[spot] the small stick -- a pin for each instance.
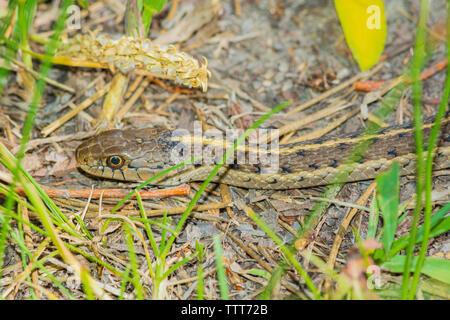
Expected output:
(113, 98)
(191, 279)
(334, 90)
(171, 88)
(342, 203)
(74, 62)
(295, 125)
(433, 69)
(130, 103)
(368, 86)
(173, 9)
(169, 100)
(72, 113)
(47, 79)
(182, 190)
(173, 211)
(374, 85)
(237, 7)
(320, 132)
(132, 87)
(346, 223)
(40, 141)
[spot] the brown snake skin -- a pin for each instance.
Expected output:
(138, 154)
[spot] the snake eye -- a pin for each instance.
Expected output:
(115, 162)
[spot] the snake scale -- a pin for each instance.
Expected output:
(139, 154)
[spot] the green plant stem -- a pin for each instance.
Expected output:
(417, 62)
(221, 277)
(9, 52)
(150, 236)
(199, 248)
(133, 261)
(26, 12)
(428, 168)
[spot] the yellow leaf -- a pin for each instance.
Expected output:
(364, 25)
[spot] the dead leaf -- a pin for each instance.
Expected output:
(53, 156)
(31, 162)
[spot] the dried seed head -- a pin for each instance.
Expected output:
(128, 54)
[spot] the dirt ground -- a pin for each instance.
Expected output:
(269, 52)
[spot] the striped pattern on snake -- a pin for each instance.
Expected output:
(139, 154)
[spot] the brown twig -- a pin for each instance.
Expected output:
(375, 85)
(172, 88)
(131, 101)
(295, 125)
(320, 132)
(182, 190)
(69, 115)
(334, 90)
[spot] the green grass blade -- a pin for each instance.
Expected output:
(150, 7)
(432, 267)
(200, 283)
(388, 199)
(436, 229)
(274, 280)
(178, 264)
(95, 260)
(163, 235)
(373, 220)
(123, 283)
(200, 251)
(417, 63)
(221, 277)
(134, 265)
(429, 167)
(148, 229)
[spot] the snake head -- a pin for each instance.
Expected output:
(130, 155)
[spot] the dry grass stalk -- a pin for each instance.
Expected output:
(72, 113)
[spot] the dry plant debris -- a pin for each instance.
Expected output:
(259, 58)
(128, 54)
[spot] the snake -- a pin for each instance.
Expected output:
(136, 155)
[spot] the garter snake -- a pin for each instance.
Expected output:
(139, 154)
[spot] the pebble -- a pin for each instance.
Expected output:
(287, 85)
(267, 83)
(278, 46)
(256, 84)
(279, 77)
(283, 67)
(343, 73)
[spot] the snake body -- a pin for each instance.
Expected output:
(139, 154)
